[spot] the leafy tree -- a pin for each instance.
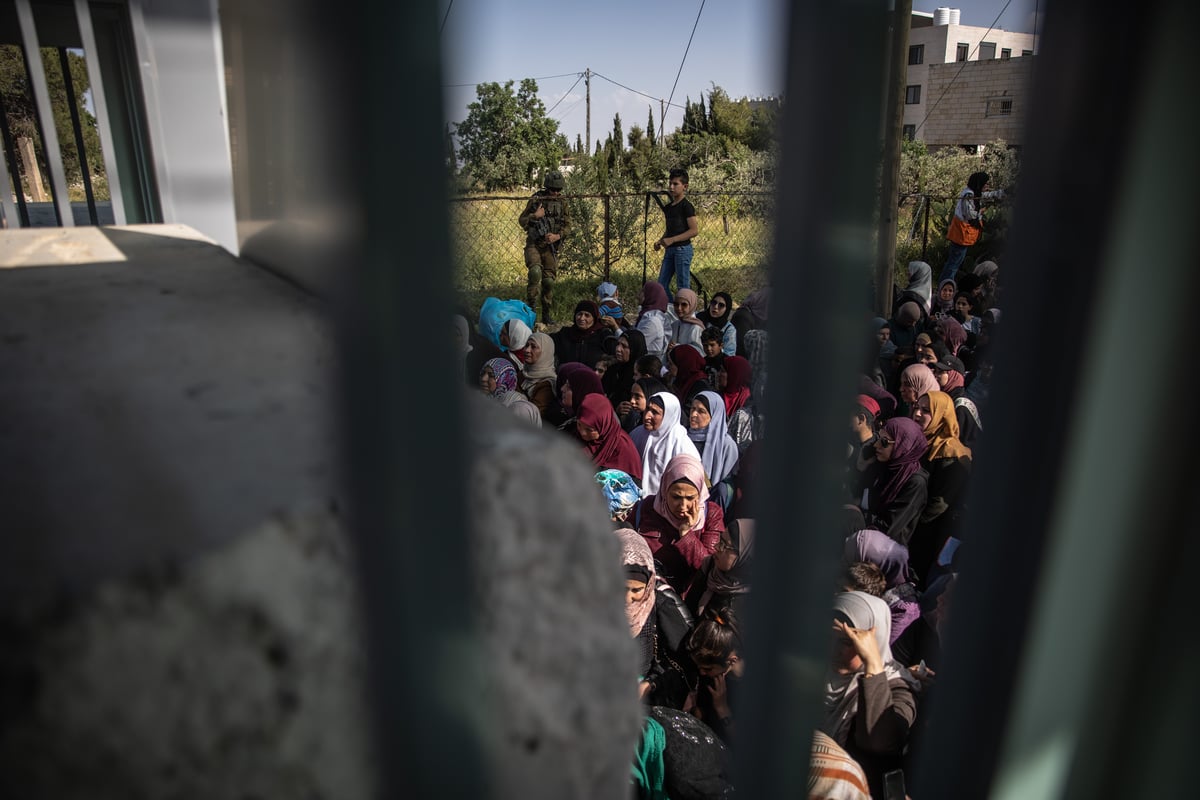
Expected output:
(650, 124)
(618, 138)
(17, 93)
(507, 140)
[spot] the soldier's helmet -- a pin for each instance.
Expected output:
(554, 180)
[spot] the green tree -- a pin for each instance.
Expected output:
(22, 116)
(650, 124)
(618, 138)
(507, 140)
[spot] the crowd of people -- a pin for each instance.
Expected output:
(666, 403)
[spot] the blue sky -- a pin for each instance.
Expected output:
(639, 45)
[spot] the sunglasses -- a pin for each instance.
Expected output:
(717, 304)
(884, 442)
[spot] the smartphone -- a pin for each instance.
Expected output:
(893, 785)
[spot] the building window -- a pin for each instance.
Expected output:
(999, 107)
(916, 54)
(1026, 53)
(912, 95)
(963, 51)
(910, 132)
(1005, 54)
(987, 50)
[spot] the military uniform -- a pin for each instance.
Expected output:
(541, 257)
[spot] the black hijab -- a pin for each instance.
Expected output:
(618, 378)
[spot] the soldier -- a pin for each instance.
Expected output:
(544, 221)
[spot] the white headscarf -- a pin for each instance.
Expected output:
(920, 282)
(518, 334)
(862, 611)
(720, 454)
(660, 446)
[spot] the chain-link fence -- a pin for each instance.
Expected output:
(611, 237)
(921, 232)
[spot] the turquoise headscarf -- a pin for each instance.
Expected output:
(649, 769)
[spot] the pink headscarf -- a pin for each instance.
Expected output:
(687, 467)
(953, 334)
(919, 378)
(636, 553)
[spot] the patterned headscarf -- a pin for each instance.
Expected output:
(636, 553)
(505, 374)
(620, 490)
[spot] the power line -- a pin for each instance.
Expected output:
(964, 66)
(543, 78)
(689, 47)
(573, 85)
(445, 17)
(631, 89)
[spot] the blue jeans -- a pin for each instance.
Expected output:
(953, 261)
(677, 261)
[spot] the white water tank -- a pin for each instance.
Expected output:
(941, 16)
(955, 16)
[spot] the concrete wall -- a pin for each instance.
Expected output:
(963, 115)
(941, 47)
(178, 46)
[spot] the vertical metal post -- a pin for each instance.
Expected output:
(21, 217)
(80, 148)
(925, 232)
(108, 147)
(45, 114)
(607, 232)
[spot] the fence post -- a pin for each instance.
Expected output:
(925, 232)
(607, 231)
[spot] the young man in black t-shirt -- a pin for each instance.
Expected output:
(681, 227)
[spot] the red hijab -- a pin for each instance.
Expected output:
(737, 385)
(614, 449)
(689, 369)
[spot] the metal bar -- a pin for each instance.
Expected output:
(10, 208)
(45, 114)
(925, 233)
(986, 639)
(80, 147)
(91, 54)
(148, 73)
(21, 217)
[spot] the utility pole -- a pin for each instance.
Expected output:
(893, 129)
(587, 83)
(662, 124)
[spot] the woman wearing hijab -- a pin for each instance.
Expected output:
(608, 446)
(897, 486)
(948, 462)
(734, 382)
(723, 580)
(652, 318)
(659, 622)
(870, 707)
(920, 287)
(680, 523)
(540, 377)
(951, 331)
(582, 340)
(643, 389)
(660, 438)
(618, 378)
(718, 451)
(967, 223)
(951, 377)
(719, 315)
(900, 594)
(687, 328)
(915, 380)
(689, 375)
(498, 380)
(989, 273)
(751, 315)
(574, 384)
(943, 301)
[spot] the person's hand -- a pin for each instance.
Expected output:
(660, 244)
(608, 322)
(864, 644)
(924, 674)
(720, 696)
(541, 212)
(624, 407)
(692, 520)
(553, 237)
(643, 690)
